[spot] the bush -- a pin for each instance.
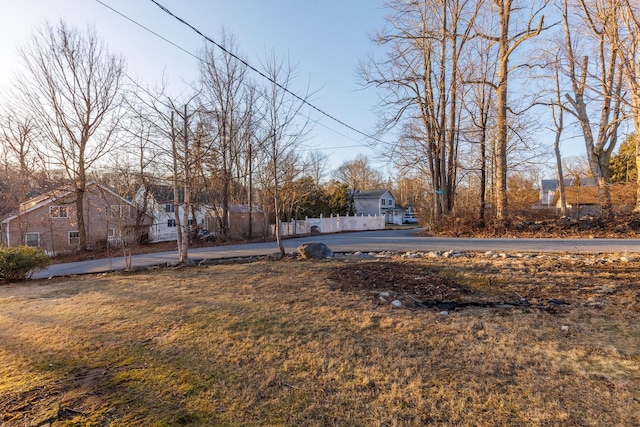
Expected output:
(18, 263)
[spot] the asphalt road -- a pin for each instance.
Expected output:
(367, 241)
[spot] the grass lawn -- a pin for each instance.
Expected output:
(551, 340)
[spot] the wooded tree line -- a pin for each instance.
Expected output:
(468, 84)
(465, 85)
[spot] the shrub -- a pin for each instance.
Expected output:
(18, 263)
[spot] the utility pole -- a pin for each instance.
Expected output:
(187, 196)
(250, 191)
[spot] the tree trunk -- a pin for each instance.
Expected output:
(276, 205)
(176, 190)
(501, 112)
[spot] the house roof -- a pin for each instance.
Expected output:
(621, 194)
(552, 184)
(164, 194)
(369, 194)
(52, 196)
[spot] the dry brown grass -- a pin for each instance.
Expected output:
(310, 344)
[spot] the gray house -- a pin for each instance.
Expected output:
(378, 202)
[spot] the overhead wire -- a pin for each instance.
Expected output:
(271, 80)
(244, 62)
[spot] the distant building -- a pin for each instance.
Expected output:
(585, 199)
(204, 216)
(50, 221)
(549, 188)
(158, 201)
(378, 202)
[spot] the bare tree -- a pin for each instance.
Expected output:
(17, 136)
(315, 165)
(511, 35)
(604, 84)
(358, 174)
(557, 115)
(73, 90)
(624, 33)
(285, 126)
(228, 98)
(480, 109)
(426, 42)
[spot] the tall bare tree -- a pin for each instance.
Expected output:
(285, 126)
(592, 78)
(557, 115)
(420, 75)
(228, 98)
(519, 21)
(73, 90)
(624, 34)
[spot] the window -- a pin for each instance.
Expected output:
(169, 207)
(120, 211)
(58, 211)
(32, 240)
(74, 238)
(171, 223)
(384, 201)
(390, 202)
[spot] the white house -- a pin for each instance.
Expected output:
(159, 204)
(378, 202)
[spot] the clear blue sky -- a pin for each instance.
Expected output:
(324, 38)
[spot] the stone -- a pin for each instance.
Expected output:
(396, 303)
(316, 250)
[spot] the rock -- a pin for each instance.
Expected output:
(316, 250)
(385, 294)
(444, 313)
(396, 303)
(565, 328)
(557, 301)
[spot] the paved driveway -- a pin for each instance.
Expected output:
(384, 240)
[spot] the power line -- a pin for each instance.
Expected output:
(149, 30)
(245, 63)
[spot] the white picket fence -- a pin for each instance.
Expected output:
(332, 224)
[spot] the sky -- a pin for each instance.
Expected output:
(324, 39)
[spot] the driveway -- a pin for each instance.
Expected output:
(366, 241)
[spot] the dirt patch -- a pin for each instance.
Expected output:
(417, 285)
(414, 285)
